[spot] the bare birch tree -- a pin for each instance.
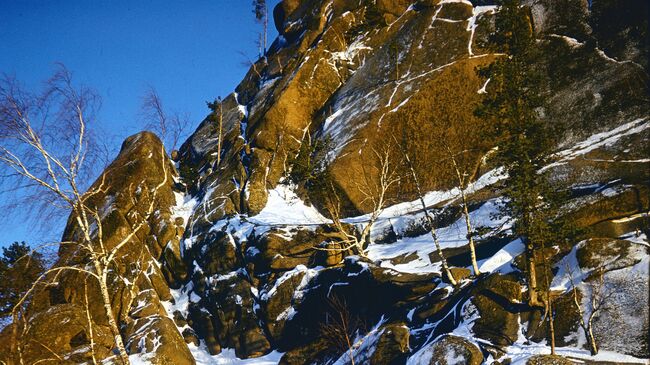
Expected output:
(463, 181)
(429, 218)
(598, 296)
(169, 126)
(374, 183)
(44, 147)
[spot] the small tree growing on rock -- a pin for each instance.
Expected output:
(375, 182)
(261, 12)
(170, 127)
(341, 328)
(598, 296)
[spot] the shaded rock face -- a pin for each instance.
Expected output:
(369, 292)
(497, 322)
(230, 303)
(359, 73)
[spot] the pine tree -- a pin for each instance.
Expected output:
(19, 269)
(261, 15)
(217, 112)
(524, 140)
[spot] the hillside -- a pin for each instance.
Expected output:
(243, 256)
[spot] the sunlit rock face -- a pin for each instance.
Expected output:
(232, 263)
(67, 314)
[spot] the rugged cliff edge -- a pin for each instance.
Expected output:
(227, 265)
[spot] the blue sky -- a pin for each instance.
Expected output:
(189, 51)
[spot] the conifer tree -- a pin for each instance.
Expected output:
(19, 269)
(261, 15)
(513, 103)
(217, 108)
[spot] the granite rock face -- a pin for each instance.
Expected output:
(138, 285)
(238, 259)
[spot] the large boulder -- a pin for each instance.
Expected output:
(158, 339)
(496, 299)
(63, 331)
(392, 346)
(448, 350)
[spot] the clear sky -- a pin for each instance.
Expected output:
(189, 51)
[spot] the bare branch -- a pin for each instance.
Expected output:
(170, 127)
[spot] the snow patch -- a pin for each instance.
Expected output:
(228, 357)
(452, 236)
(284, 207)
(471, 24)
(599, 140)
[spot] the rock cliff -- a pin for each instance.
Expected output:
(232, 262)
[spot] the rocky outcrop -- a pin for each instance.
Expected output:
(358, 76)
(137, 284)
